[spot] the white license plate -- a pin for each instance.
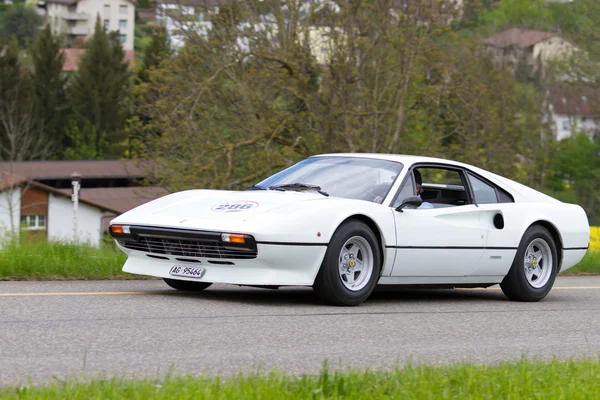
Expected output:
(190, 272)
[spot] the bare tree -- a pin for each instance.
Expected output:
(22, 135)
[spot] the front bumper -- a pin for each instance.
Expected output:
(276, 265)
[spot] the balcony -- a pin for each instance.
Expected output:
(73, 16)
(78, 30)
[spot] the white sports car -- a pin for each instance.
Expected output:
(344, 223)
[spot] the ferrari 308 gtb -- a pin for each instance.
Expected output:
(344, 223)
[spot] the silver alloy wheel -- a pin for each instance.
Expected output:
(538, 263)
(356, 263)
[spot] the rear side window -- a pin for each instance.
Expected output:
(504, 196)
(486, 193)
(483, 192)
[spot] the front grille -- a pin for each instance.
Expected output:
(198, 248)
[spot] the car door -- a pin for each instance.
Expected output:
(447, 240)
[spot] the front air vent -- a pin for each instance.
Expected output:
(195, 248)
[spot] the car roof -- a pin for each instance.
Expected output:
(406, 159)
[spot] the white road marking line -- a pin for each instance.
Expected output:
(77, 294)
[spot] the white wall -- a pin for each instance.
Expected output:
(92, 8)
(564, 126)
(60, 221)
(555, 48)
(10, 201)
(95, 7)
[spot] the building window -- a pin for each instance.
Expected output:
(106, 25)
(123, 9)
(33, 222)
(122, 24)
(106, 10)
(123, 38)
(566, 125)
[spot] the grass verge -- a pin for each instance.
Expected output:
(590, 265)
(525, 379)
(43, 260)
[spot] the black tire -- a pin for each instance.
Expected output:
(328, 284)
(187, 286)
(515, 285)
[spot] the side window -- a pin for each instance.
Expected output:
(439, 187)
(408, 190)
(483, 192)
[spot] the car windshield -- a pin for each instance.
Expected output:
(348, 177)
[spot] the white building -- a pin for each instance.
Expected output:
(76, 19)
(182, 16)
(510, 48)
(38, 210)
(574, 109)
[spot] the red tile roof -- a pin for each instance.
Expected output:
(518, 37)
(147, 14)
(575, 100)
(121, 199)
(9, 181)
(73, 56)
(39, 170)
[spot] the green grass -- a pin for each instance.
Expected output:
(525, 379)
(590, 265)
(44, 260)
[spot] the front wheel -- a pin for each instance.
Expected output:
(351, 266)
(187, 286)
(534, 269)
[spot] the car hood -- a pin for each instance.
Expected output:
(229, 205)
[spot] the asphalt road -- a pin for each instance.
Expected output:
(143, 328)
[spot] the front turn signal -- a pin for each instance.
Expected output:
(233, 238)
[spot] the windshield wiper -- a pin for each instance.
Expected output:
(255, 187)
(298, 186)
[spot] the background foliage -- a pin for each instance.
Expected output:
(275, 81)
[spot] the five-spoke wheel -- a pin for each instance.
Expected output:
(356, 263)
(538, 263)
(351, 266)
(534, 269)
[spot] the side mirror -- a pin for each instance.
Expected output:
(410, 201)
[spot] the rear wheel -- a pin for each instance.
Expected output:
(187, 286)
(534, 269)
(351, 266)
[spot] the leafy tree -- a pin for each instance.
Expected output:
(575, 173)
(22, 21)
(158, 51)
(49, 82)
(144, 4)
(98, 93)
(249, 97)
